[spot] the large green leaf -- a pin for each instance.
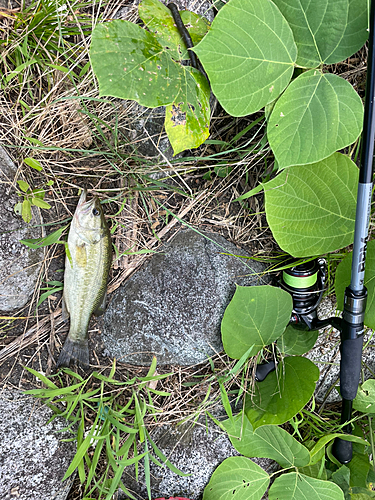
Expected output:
(342, 477)
(318, 114)
(296, 342)
(294, 486)
(359, 468)
(311, 209)
(130, 63)
(248, 54)
(256, 316)
(237, 478)
(283, 393)
(365, 399)
(317, 470)
(342, 280)
(268, 441)
(325, 31)
(158, 18)
(187, 118)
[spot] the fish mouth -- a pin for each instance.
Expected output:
(85, 206)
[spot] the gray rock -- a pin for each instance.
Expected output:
(33, 461)
(172, 307)
(19, 265)
(195, 450)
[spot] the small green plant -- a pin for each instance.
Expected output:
(41, 37)
(31, 197)
(117, 410)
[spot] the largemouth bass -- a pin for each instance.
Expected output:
(85, 278)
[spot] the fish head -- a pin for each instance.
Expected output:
(88, 220)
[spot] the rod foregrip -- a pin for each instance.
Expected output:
(352, 328)
(350, 366)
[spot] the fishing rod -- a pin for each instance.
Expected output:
(305, 282)
(352, 324)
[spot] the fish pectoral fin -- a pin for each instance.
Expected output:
(101, 307)
(81, 255)
(64, 310)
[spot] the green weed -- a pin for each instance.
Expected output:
(107, 418)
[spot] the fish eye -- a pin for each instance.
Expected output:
(95, 212)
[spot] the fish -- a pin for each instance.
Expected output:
(87, 264)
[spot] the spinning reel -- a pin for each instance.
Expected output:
(306, 284)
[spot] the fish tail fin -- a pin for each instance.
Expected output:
(75, 352)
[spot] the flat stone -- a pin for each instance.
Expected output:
(33, 460)
(19, 265)
(172, 307)
(195, 450)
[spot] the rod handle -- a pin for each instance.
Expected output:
(342, 450)
(350, 367)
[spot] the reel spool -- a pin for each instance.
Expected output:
(305, 283)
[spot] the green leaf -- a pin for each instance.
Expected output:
(294, 486)
(283, 393)
(365, 399)
(317, 470)
(341, 477)
(250, 193)
(342, 280)
(248, 54)
(256, 315)
(359, 467)
(24, 186)
(18, 208)
(43, 242)
(158, 18)
(40, 203)
(31, 162)
(196, 25)
(33, 140)
(130, 63)
(42, 378)
(45, 295)
(315, 452)
(187, 118)
(19, 70)
(361, 494)
(237, 478)
(296, 342)
(318, 114)
(26, 211)
(311, 209)
(268, 441)
(326, 31)
(164, 459)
